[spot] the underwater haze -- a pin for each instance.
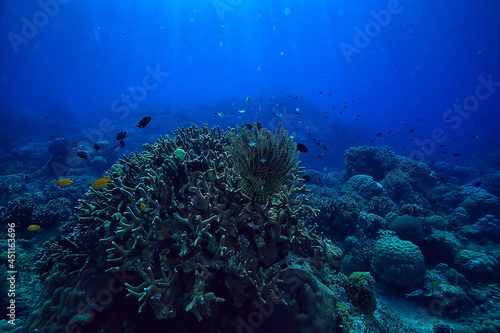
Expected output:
(366, 88)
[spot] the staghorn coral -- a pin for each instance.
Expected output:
(184, 230)
(263, 161)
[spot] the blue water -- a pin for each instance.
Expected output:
(63, 67)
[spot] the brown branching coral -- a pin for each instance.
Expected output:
(264, 161)
(183, 227)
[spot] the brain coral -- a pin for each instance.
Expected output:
(180, 227)
(398, 261)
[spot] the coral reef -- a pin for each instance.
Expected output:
(363, 185)
(398, 261)
(184, 237)
(361, 290)
(367, 160)
(408, 228)
(480, 204)
(488, 226)
(478, 266)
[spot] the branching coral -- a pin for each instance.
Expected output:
(181, 224)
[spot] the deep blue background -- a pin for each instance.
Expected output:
(64, 79)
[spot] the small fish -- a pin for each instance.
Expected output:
(121, 136)
(248, 126)
(33, 227)
(415, 293)
(97, 147)
(101, 182)
(143, 122)
(447, 118)
(180, 153)
(122, 144)
(83, 155)
(419, 119)
(64, 182)
(325, 168)
(348, 192)
(477, 184)
(306, 178)
(320, 92)
(412, 130)
(457, 154)
(252, 143)
(302, 148)
(247, 100)
(263, 160)
(143, 206)
(241, 111)
(379, 134)
(297, 110)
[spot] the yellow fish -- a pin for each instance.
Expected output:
(64, 182)
(101, 182)
(33, 227)
(143, 206)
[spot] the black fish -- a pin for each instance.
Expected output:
(302, 148)
(96, 146)
(121, 135)
(122, 144)
(248, 126)
(83, 155)
(412, 130)
(259, 126)
(457, 154)
(379, 134)
(477, 184)
(144, 121)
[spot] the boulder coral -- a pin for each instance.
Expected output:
(184, 237)
(398, 261)
(363, 185)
